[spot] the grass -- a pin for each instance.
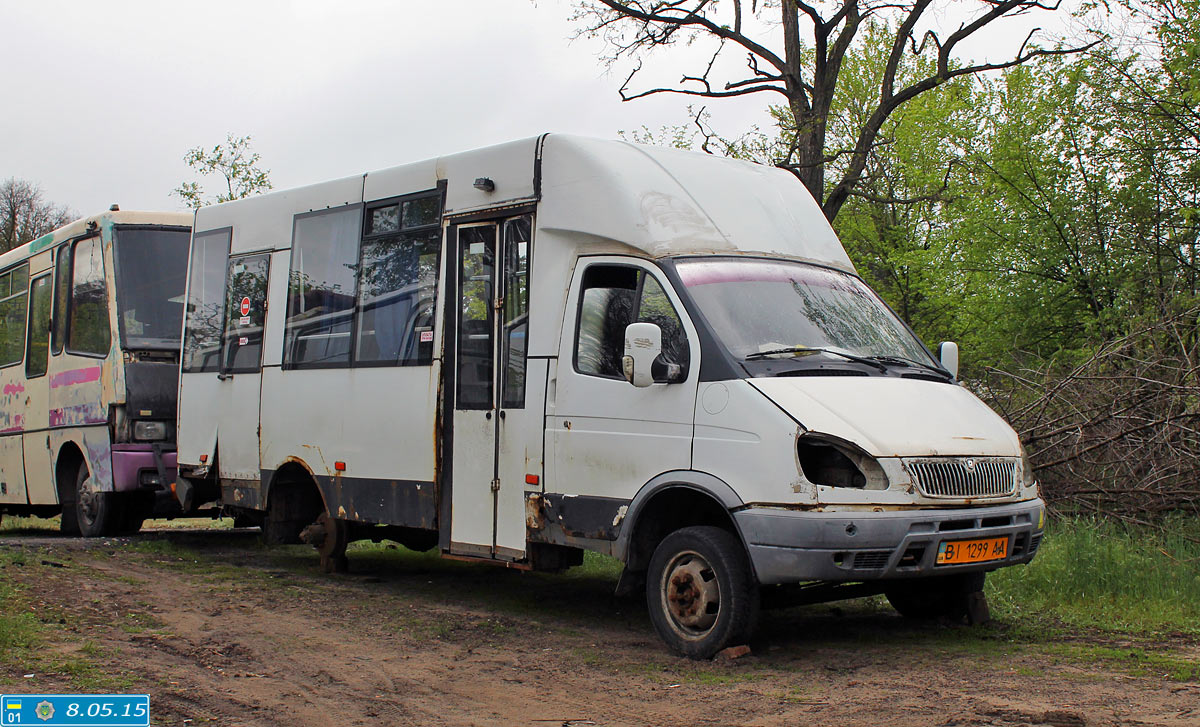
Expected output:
(29, 525)
(25, 640)
(1101, 575)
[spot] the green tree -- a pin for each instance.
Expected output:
(234, 162)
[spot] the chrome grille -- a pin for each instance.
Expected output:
(960, 477)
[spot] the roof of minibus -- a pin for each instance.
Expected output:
(104, 219)
(604, 195)
(673, 202)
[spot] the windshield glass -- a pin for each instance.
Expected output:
(151, 274)
(755, 306)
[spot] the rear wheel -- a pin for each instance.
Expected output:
(940, 597)
(97, 512)
(700, 591)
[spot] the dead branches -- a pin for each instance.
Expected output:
(1119, 432)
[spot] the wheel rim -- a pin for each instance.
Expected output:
(691, 595)
(89, 501)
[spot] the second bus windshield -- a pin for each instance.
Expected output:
(151, 274)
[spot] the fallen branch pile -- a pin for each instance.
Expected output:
(1119, 433)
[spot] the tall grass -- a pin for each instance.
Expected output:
(1100, 574)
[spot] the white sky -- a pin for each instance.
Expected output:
(100, 100)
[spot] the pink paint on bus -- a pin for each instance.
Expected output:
(75, 376)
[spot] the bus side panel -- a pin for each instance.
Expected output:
(379, 422)
(94, 443)
(196, 434)
(12, 469)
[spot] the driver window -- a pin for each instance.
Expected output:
(613, 296)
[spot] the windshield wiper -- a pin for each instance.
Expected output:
(811, 349)
(901, 361)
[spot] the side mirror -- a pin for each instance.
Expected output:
(948, 355)
(643, 344)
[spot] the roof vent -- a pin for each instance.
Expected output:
(115, 208)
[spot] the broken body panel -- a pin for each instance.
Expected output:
(436, 348)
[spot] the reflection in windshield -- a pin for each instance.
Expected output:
(764, 305)
(151, 272)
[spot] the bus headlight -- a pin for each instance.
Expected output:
(149, 431)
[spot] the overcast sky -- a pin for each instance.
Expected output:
(100, 100)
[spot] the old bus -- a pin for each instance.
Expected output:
(519, 353)
(90, 321)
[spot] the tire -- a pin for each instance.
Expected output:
(939, 597)
(97, 512)
(700, 591)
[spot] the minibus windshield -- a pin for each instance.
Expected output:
(776, 308)
(151, 275)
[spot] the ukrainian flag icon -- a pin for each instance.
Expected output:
(12, 704)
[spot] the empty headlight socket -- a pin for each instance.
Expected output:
(832, 462)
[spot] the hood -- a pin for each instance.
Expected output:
(894, 417)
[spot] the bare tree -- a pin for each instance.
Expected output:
(25, 214)
(815, 38)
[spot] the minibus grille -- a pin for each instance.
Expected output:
(960, 477)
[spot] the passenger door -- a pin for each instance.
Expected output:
(492, 427)
(38, 472)
(241, 366)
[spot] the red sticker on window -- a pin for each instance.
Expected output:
(426, 336)
(246, 306)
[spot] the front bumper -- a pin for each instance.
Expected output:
(792, 546)
(142, 467)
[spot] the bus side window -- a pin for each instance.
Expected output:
(398, 282)
(62, 282)
(204, 311)
(13, 285)
(37, 348)
(88, 331)
(321, 288)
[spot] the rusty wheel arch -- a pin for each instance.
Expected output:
(304, 502)
(669, 507)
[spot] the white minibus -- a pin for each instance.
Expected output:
(519, 353)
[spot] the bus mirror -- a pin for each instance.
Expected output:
(643, 344)
(948, 355)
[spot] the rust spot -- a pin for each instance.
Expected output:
(535, 516)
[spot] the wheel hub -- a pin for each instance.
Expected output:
(692, 593)
(89, 500)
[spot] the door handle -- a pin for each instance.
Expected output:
(488, 416)
(501, 413)
(223, 376)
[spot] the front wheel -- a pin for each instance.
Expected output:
(96, 511)
(700, 591)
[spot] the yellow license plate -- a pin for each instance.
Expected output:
(972, 551)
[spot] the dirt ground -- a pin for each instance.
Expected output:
(219, 630)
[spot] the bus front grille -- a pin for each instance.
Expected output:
(964, 477)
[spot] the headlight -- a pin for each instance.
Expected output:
(1027, 478)
(149, 431)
